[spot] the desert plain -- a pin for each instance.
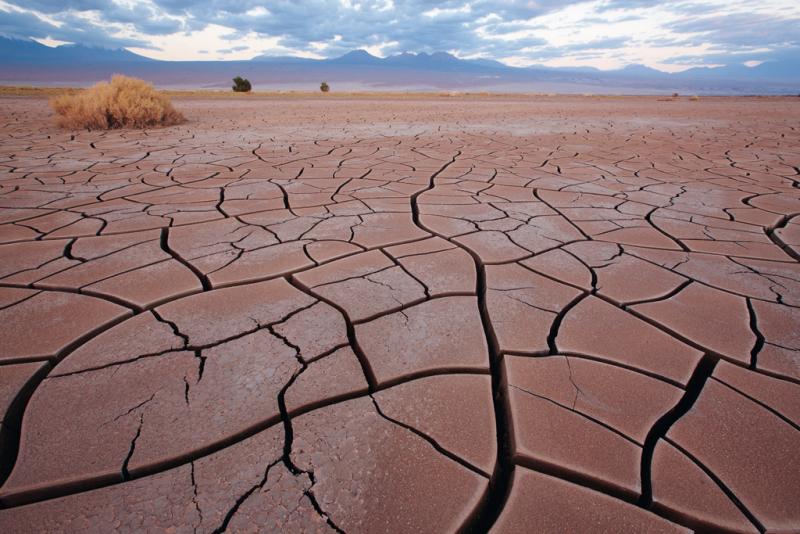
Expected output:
(403, 314)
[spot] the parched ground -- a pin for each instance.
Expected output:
(417, 315)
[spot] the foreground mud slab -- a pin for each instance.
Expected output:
(524, 314)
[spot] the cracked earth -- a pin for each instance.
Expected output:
(525, 315)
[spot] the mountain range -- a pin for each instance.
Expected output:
(31, 63)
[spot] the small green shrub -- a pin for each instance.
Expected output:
(241, 85)
(324, 87)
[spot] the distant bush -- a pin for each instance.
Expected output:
(324, 87)
(241, 85)
(675, 95)
(124, 102)
(694, 98)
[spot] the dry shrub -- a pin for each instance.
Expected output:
(694, 98)
(124, 102)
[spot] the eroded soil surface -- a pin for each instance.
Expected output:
(523, 315)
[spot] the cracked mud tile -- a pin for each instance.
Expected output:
(565, 507)
(27, 262)
(174, 405)
(46, 224)
(251, 197)
(451, 220)
(713, 319)
(544, 232)
(740, 248)
(447, 226)
(382, 229)
(229, 252)
(716, 271)
(9, 296)
(16, 233)
(789, 235)
(441, 334)
(122, 215)
(781, 396)
(83, 227)
(263, 263)
(176, 401)
(786, 203)
(374, 294)
(138, 337)
(150, 285)
(314, 331)
(68, 442)
(562, 266)
(210, 317)
(238, 487)
(456, 411)
(372, 474)
(323, 227)
(681, 489)
(755, 216)
(492, 246)
(554, 439)
(97, 247)
(718, 236)
(284, 224)
(334, 376)
(642, 235)
(624, 278)
(306, 193)
(10, 214)
(49, 322)
(785, 277)
(364, 285)
(443, 268)
(597, 329)
(596, 216)
(115, 262)
(176, 195)
(157, 503)
(325, 251)
(523, 306)
(750, 450)
(16, 383)
(626, 401)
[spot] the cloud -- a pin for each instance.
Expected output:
(742, 29)
(63, 27)
(605, 33)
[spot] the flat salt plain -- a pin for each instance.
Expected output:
(403, 314)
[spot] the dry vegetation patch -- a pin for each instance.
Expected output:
(123, 102)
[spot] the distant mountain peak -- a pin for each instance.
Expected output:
(359, 53)
(30, 51)
(357, 57)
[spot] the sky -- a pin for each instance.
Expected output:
(606, 34)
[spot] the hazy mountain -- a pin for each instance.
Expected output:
(769, 70)
(28, 62)
(30, 52)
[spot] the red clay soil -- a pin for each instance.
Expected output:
(520, 314)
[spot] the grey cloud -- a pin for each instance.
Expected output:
(297, 24)
(741, 29)
(26, 25)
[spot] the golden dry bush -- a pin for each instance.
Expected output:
(123, 102)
